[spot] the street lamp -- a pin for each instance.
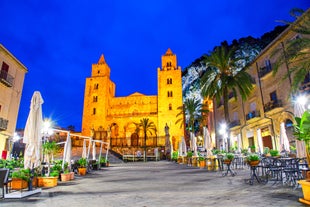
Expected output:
(47, 130)
(223, 132)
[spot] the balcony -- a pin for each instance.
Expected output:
(305, 88)
(252, 115)
(3, 124)
(264, 71)
(273, 105)
(234, 123)
(231, 96)
(6, 78)
(253, 81)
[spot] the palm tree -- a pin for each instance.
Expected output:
(224, 75)
(295, 53)
(147, 127)
(193, 111)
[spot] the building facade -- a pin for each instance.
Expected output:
(12, 75)
(112, 119)
(256, 123)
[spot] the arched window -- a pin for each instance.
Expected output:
(170, 106)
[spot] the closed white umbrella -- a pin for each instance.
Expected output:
(84, 155)
(180, 148)
(284, 143)
(94, 151)
(207, 141)
(299, 109)
(184, 147)
(260, 141)
(33, 133)
(67, 151)
(194, 143)
(239, 143)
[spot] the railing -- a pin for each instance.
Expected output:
(234, 123)
(272, 105)
(137, 142)
(6, 78)
(3, 124)
(252, 115)
(264, 71)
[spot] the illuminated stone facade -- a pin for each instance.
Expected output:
(107, 117)
(12, 75)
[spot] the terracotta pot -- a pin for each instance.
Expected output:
(71, 175)
(227, 162)
(65, 177)
(82, 170)
(202, 163)
(253, 163)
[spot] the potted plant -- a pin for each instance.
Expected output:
(202, 161)
(274, 153)
(82, 164)
(228, 157)
(49, 179)
(175, 155)
(253, 159)
(65, 175)
(267, 151)
(302, 133)
(104, 162)
(20, 179)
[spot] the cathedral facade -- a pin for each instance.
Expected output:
(113, 119)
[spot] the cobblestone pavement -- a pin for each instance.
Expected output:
(161, 184)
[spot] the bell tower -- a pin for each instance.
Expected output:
(169, 96)
(99, 91)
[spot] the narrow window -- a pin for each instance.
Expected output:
(170, 107)
(94, 111)
(273, 96)
(95, 98)
(96, 86)
(4, 70)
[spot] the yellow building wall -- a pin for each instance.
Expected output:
(10, 94)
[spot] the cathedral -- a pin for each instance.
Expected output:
(113, 119)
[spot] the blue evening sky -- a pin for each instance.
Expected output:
(59, 40)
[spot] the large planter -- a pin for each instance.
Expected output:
(71, 175)
(18, 184)
(180, 160)
(82, 170)
(194, 162)
(306, 191)
(47, 182)
(202, 163)
(65, 177)
(185, 160)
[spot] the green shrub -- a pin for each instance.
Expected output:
(229, 156)
(274, 152)
(252, 157)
